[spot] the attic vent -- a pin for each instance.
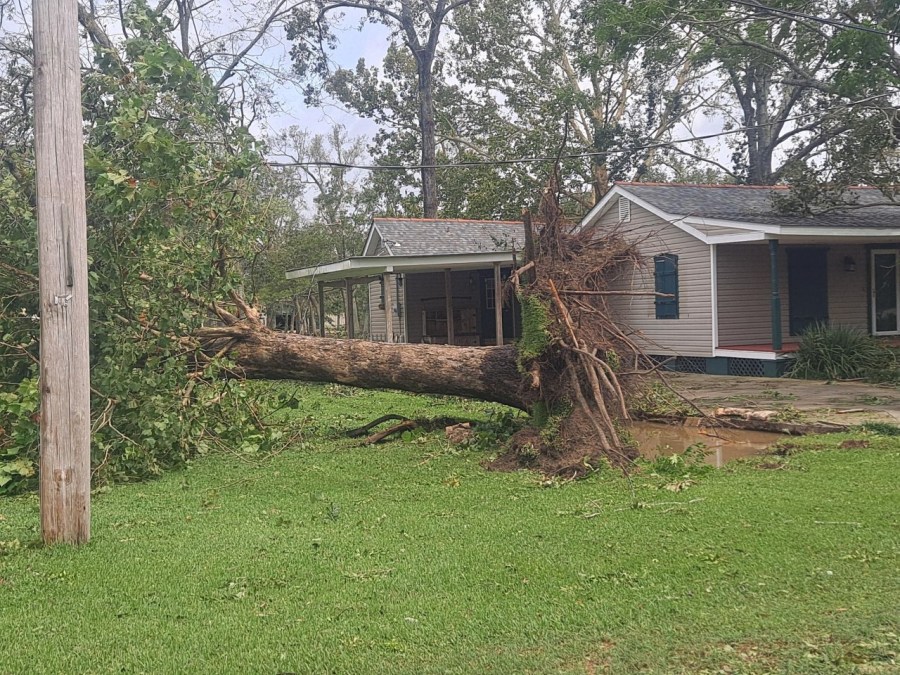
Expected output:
(624, 210)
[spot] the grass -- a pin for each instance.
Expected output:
(410, 558)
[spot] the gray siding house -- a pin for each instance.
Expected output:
(742, 280)
(437, 281)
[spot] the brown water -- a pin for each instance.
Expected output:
(722, 445)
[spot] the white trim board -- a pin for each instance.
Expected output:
(714, 292)
(686, 221)
(759, 356)
(373, 228)
(799, 230)
(604, 205)
(360, 266)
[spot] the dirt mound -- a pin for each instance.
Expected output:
(572, 455)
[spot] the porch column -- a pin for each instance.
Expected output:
(448, 292)
(322, 308)
(388, 307)
(776, 298)
(348, 306)
(498, 303)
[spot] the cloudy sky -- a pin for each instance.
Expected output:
(223, 17)
(370, 43)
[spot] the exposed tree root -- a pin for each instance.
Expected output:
(586, 366)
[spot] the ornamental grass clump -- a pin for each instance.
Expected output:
(842, 353)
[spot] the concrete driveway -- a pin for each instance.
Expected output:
(841, 402)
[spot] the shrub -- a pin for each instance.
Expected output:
(18, 435)
(881, 428)
(842, 353)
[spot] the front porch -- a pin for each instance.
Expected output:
(455, 299)
(759, 359)
(768, 293)
(758, 348)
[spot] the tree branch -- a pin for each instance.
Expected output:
(97, 35)
(454, 5)
(229, 70)
(359, 5)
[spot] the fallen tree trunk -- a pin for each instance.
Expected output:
(570, 371)
(486, 373)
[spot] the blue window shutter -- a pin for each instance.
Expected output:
(665, 271)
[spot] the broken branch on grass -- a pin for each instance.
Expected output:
(397, 428)
(366, 428)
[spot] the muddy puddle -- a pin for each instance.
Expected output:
(722, 445)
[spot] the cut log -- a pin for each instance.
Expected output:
(485, 373)
(790, 428)
(746, 413)
(773, 426)
(457, 434)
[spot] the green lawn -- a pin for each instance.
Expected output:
(411, 558)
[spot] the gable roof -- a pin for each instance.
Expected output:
(441, 236)
(755, 204)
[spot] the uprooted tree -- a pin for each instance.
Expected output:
(178, 195)
(568, 366)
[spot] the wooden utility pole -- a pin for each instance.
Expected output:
(65, 477)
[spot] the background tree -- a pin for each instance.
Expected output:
(234, 43)
(803, 85)
(332, 229)
(416, 27)
(463, 135)
(533, 63)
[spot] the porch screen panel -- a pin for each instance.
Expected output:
(665, 268)
(885, 271)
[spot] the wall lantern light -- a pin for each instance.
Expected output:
(849, 264)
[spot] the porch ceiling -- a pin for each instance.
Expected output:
(367, 266)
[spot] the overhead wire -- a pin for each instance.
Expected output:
(651, 146)
(583, 155)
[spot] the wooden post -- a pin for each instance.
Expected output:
(513, 304)
(322, 308)
(498, 303)
(448, 292)
(388, 307)
(529, 276)
(776, 297)
(348, 306)
(65, 476)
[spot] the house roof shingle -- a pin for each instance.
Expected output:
(422, 236)
(755, 204)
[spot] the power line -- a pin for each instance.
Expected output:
(811, 17)
(583, 155)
